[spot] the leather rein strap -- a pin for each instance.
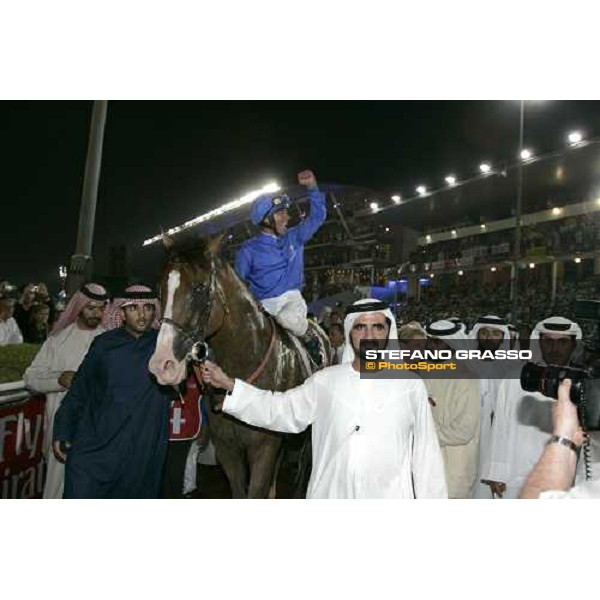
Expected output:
(255, 375)
(258, 371)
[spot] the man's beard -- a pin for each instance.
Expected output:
(365, 345)
(92, 323)
(491, 345)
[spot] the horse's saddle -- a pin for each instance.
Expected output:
(311, 348)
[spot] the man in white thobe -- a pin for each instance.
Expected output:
(489, 333)
(54, 366)
(523, 420)
(455, 406)
(371, 438)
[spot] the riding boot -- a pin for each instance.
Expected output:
(313, 346)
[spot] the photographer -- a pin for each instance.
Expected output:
(522, 419)
(554, 474)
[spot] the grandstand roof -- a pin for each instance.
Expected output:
(553, 180)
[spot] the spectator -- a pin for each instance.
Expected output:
(32, 295)
(412, 336)
(336, 337)
(456, 412)
(336, 317)
(9, 330)
(52, 370)
(112, 426)
(36, 331)
(490, 333)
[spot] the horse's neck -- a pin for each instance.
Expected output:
(244, 337)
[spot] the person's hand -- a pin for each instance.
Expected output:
(497, 487)
(214, 375)
(564, 416)
(307, 178)
(66, 378)
(60, 455)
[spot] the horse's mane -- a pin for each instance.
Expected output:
(190, 250)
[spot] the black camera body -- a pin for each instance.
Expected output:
(585, 388)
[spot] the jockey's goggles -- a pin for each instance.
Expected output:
(280, 203)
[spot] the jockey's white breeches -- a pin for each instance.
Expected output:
(289, 311)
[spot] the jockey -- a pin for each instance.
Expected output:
(273, 261)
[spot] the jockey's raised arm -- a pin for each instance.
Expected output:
(272, 262)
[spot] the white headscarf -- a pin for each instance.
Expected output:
(348, 355)
(554, 325)
(448, 331)
(461, 323)
(134, 294)
(90, 292)
(496, 323)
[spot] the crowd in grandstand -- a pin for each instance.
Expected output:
(550, 238)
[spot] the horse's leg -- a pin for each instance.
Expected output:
(304, 466)
(234, 464)
(273, 486)
(262, 458)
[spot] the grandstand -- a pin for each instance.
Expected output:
(456, 241)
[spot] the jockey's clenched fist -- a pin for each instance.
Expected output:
(307, 178)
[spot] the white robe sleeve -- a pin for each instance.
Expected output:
(427, 463)
(459, 423)
(41, 376)
(498, 466)
(585, 491)
(288, 412)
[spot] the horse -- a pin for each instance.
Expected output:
(204, 301)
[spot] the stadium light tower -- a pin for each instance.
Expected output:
(514, 280)
(80, 266)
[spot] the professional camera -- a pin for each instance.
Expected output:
(585, 389)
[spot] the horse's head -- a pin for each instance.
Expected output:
(192, 307)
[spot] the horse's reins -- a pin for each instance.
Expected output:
(256, 373)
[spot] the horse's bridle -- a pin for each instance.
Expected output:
(202, 299)
(199, 349)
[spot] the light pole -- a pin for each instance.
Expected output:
(518, 212)
(80, 266)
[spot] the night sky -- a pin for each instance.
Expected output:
(167, 162)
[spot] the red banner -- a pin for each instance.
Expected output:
(21, 442)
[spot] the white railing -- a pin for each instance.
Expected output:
(13, 391)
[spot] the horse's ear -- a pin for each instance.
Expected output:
(214, 244)
(167, 241)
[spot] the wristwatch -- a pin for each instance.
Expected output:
(563, 441)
